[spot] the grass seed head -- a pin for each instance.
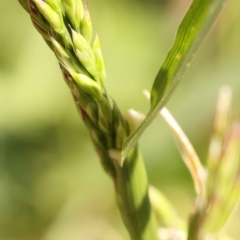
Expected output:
(75, 12)
(86, 26)
(54, 18)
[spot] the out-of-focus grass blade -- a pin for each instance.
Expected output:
(186, 150)
(221, 127)
(188, 153)
(192, 32)
(165, 212)
(227, 190)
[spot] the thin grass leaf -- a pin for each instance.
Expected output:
(165, 212)
(227, 190)
(187, 152)
(220, 130)
(192, 32)
(229, 204)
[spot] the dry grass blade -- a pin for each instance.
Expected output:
(187, 151)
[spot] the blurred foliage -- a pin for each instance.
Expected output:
(52, 186)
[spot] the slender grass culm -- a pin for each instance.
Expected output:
(66, 27)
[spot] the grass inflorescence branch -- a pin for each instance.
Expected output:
(66, 27)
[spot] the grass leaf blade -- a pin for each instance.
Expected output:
(194, 29)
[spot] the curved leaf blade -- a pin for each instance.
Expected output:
(194, 29)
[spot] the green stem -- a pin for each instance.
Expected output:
(196, 221)
(131, 186)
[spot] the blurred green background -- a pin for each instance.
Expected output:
(52, 186)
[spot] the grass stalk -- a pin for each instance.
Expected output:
(66, 27)
(131, 186)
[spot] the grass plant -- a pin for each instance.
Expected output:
(66, 27)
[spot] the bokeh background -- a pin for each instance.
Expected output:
(52, 186)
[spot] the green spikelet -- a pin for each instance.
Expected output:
(75, 12)
(99, 60)
(86, 26)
